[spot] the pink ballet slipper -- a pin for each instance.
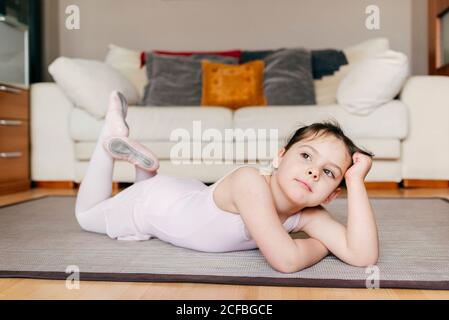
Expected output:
(116, 115)
(122, 148)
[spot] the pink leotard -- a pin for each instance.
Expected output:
(180, 211)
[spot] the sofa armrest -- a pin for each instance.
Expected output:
(52, 150)
(426, 148)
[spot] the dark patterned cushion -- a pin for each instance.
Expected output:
(326, 62)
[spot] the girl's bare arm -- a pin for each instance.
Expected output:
(253, 199)
(311, 250)
(356, 244)
(362, 236)
(357, 251)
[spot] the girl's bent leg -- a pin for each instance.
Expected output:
(95, 188)
(97, 183)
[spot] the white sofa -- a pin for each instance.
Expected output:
(409, 136)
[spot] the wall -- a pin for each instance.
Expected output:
(419, 50)
(227, 24)
(50, 34)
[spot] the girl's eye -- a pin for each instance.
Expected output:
(305, 155)
(327, 172)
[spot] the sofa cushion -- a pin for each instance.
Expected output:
(154, 124)
(387, 122)
(373, 82)
(231, 53)
(288, 78)
(165, 150)
(324, 61)
(127, 62)
(251, 55)
(330, 66)
(233, 86)
(176, 80)
(89, 83)
(326, 87)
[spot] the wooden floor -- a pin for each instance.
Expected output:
(55, 289)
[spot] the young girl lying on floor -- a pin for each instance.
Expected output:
(243, 210)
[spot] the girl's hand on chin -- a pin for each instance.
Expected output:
(360, 168)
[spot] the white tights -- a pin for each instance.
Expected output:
(96, 187)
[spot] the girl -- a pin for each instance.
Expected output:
(243, 210)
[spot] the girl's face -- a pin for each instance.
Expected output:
(311, 170)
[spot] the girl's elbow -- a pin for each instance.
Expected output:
(289, 268)
(365, 261)
(286, 264)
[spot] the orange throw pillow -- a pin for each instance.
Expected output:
(233, 86)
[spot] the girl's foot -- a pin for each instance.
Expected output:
(122, 148)
(116, 115)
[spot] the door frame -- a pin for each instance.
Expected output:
(436, 9)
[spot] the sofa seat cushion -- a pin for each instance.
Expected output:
(169, 150)
(383, 149)
(155, 123)
(387, 122)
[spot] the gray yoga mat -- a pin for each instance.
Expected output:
(41, 238)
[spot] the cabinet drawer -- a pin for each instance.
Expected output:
(14, 165)
(13, 135)
(13, 103)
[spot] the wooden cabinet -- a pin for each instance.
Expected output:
(14, 139)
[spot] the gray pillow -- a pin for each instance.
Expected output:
(176, 80)
(288, 78)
